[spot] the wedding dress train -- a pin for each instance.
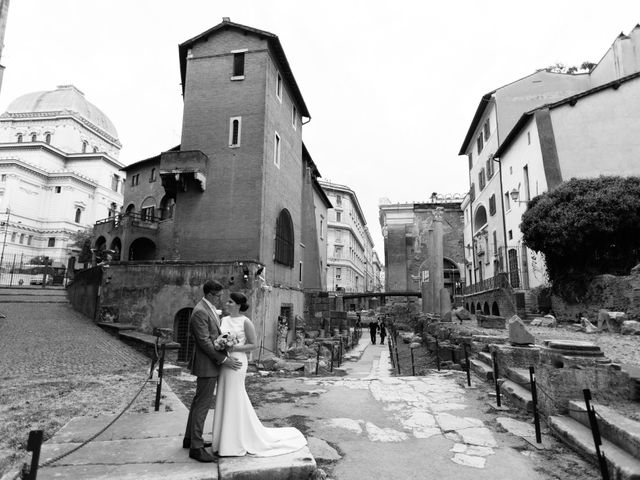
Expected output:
(237, 431)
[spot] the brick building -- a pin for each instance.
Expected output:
(241, 188)
(405, 227)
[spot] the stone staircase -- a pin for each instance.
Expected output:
(33, 294)
(514, 382)
(620, 438)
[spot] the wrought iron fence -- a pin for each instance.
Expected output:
(18, 270)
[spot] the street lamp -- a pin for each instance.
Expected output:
(515, 196)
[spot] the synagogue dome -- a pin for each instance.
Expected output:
(65, 98)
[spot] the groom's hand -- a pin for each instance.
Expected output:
(232, 363)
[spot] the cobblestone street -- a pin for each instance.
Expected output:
(54, 341)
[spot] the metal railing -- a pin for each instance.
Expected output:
(131, 218)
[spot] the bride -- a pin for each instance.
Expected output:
(237, 430)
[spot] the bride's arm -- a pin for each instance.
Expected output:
(251, 342)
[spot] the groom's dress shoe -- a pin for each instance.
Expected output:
(186, 443)
(201, 455)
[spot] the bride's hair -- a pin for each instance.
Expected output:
(241, 300)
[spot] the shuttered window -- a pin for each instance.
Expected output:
(284, 239)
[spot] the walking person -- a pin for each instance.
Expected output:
(237, 430)
(205, 364)
(383, 332)
(373, 327)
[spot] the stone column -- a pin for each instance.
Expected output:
(427, 287)
(437, 275)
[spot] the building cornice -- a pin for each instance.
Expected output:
(45, 147)
(6, 163)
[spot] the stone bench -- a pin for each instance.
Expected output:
(115, 328)
(146, 344)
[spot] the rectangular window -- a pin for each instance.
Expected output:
(338, 216)
(279, 87)
(52, 242)
(235, 131)
(300, 273)
(152, 177)
(492, 205)
(294, 117)
(22, 238)
(490, 168)
(58, 189)
(29, 239)
(528, 138)
(3, 178)
(338, 251)
(479, 143)
(510, 234)
(276, 150)
(507, 202)
(115, 180)
(135, 179)
(481, 180)
(321, 228)
(487, 130)
(338, 199)
(472, 192)
(146, 214)
(338, 273)
(238, 65)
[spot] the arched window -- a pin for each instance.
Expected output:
(34, 137)
(85, 145)
(47, 138)
(19, 138)
(284, 239)
(152, 178)
(147, 210)
(167, 204)
(95, 149)
(78, 214)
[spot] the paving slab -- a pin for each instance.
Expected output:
(139, 471)
(296, 465)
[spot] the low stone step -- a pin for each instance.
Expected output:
(622, 465)
(518, 395)
(519, 376)
(481, 369)
(616, 428)
(485, 358)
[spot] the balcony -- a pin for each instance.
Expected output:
(132, 222)
(180, 169)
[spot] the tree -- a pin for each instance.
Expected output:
(585, 227)
(585, 67)
(81, 240)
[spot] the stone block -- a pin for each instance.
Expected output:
(611, 321)
(549, 321)
(462, 313)
(518, 333)
(447, 317)
(630, 327)
(491, 321)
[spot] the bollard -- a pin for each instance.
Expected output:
(437, 355)
(494, 357)
(534, 399)
(466, 361)
(595, 431)
(33, 445)
(318, 358)
(160, 369)
(340, 351)
(413, 366)
(397, 360)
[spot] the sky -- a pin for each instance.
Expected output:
(391, 86)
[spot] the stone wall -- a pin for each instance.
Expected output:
(608, 292)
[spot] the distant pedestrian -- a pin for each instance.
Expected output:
(383, 332)
(373, 328)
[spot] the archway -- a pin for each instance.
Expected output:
(142, 249)
(130, 208)
(495, 310)
(478, 308)
(116, 247)
(486, 310)
(473, 309)
(182, 334)
(479, 219)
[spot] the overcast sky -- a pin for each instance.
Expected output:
(391, 85)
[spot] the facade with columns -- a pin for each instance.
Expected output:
(408, 230)
(59, 173)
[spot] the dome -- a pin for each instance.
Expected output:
(63, 98)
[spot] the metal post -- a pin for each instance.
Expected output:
(393, 360)
(496, 374)
(595, 431)
(331, 369)
(397, 360)
(534, 398)
(437, 355)
(33, 445)
(6, 229)
(13, 267)
(413, 366)
(466, 361)
(160, 369)
(340, 351)
(318, 358)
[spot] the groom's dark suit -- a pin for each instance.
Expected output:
(205, 364)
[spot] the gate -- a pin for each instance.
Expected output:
(182, 334)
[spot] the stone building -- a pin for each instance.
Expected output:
(240, 190)
(350, 266)
(59, 173)
(525, 138)
(406, 228)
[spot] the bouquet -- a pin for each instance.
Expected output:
(225, 340)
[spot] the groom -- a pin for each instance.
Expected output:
(205, 364)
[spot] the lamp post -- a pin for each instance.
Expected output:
(6, 229)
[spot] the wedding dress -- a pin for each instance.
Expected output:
(237, 431)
